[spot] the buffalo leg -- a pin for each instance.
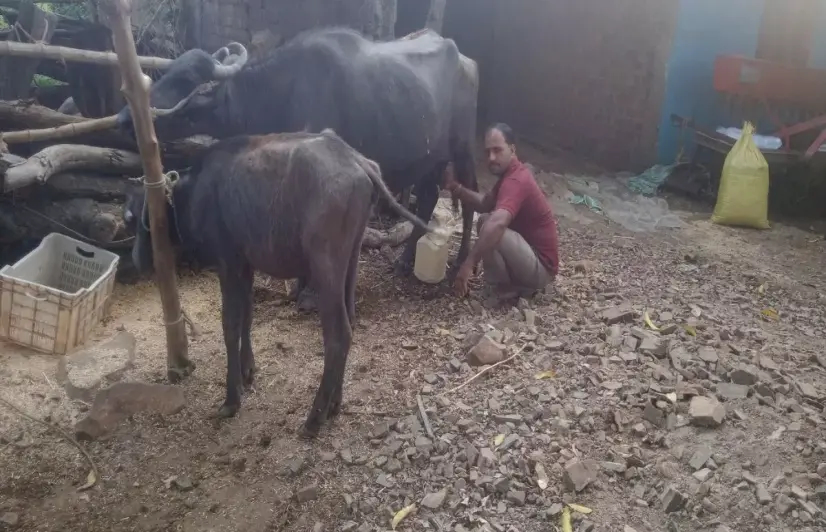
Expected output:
(466, 174)
(247, 358)
(337, 335)
(428, 191)
(232, 302)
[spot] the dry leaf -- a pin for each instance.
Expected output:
(691, 331)
(91, 480)
(650, 324)
(497, 441)
(566, 520)
(580, 509)
(550, 374)
(401, 514)
(770, 313)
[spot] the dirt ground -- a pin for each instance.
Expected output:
(506, 450)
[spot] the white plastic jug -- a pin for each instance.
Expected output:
(431, 257)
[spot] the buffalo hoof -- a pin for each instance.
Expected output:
(228, 410)
(307, 301)
(248, 377)
(176, 374)
(310, 430)
(403, 268)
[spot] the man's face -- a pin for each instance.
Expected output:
(498, 152)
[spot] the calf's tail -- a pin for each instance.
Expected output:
(374, 173)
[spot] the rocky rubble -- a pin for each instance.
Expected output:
(606, 411)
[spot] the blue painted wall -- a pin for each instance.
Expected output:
(705, 29)
(818, 57)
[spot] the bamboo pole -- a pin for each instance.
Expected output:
(136, 90)
(64, 53)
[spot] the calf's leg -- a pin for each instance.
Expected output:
(337, 334)
(245, 282)
(232, 312)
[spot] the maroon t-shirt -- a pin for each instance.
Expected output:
(519, 194)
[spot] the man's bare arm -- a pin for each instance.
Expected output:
(476, 200)
(489, 236)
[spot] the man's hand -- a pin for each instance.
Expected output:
(462, 281)
(449, 182)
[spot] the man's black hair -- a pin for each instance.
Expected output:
(505, 130)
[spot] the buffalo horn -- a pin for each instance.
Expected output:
(222, 71)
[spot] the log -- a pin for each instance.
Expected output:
(374, 238)
(97, 223)
(63, 53)
(22, 115)
(136, 91)
(101, 188)
(65, 157)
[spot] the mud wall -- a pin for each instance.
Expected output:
(209, 24)
(586, 75)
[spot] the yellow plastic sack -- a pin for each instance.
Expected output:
(743, 197)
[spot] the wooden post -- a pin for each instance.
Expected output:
(136, 90)
(436, 16)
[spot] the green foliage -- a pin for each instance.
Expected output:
(45, 81)
(79, 10)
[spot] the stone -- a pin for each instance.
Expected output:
(486, 459)
(627, 528)
(182, 483)
(10, 519)
(434, 501)
(651, 345)
(783, 504)
(653, 415)
(821, 469)
(728, 390)
(703, 474)
(618, 314)
(579, 474)
(293, 467)
(672, 500)
(486, 352)
(746, 375)
(84, 371)
(768, 364)
(514, 419)
(124, 399)
(613, 467)
(431, 379)
(706, 412)
(516, 497)
(307, 493)
(762, 494)
(708, 355)
(700, 457)
(808, 391)
(530, 317)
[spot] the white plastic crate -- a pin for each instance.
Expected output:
(51, 299)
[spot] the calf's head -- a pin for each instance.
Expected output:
(179, 107)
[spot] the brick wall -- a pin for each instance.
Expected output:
(586, 75)
(210, 24)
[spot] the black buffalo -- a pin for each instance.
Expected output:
(408, 104)
(282, 204)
